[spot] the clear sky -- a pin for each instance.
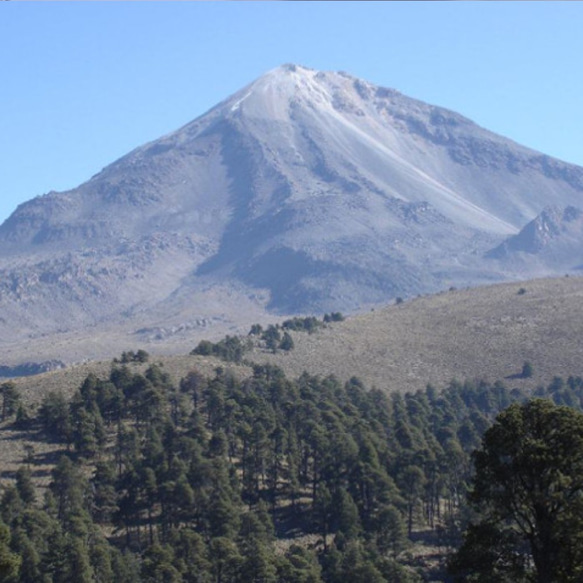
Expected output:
(82, 83)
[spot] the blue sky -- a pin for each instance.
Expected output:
(83, 83)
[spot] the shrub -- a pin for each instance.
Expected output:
(308, 324)
(333, 317)
(287, 342)
(527, 370)
(230, 348)
(256, 330)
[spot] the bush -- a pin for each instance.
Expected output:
(287, 342)
(230, 348)
(204, 348)
(308, 324)
(139, 356)
(271, 337)
(333, 317)
(527, 370)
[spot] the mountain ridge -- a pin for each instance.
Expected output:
(304, 192)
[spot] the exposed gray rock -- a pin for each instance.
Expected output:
(28, 369)
(547, 228)
(305, 191)
(553, 241)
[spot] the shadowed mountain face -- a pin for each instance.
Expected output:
(551, 242)
(304, 192)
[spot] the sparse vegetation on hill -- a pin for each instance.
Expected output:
(486, 332)
(231, 349)
(130, 356)
(274, 338)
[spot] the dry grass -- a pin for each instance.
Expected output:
(13, 453)
(485, 332)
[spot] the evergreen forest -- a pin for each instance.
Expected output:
(222, 479)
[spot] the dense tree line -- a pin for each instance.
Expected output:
(255, 480)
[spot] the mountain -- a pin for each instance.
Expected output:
(551, 241)
(305, 191)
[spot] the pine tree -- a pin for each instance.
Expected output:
(55, 416)
(9, 561)
(299, 566)
(287, 342)
(226, 560)
(25, 486)
(528, 488)
(10, 399)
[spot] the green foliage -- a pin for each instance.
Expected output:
(10, 399)
(204, 348)
(158, 565)
(299, 566)
(230, 349)
(24, 485)
(140, 356)
(9, 561)
(272, 337)
(23, 417)
(287, 342)
(196, 481)
(308, 324)
(55, 416)
(333, 317)
(256, 330)
(528, 489)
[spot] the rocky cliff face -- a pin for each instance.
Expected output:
(306, 191)
(549, 244)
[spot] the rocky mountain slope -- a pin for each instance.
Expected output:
(552, 241)
(304, 192)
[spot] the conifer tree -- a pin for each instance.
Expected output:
(25, 486)
(10, 399)
(528, 488)
(9, 561)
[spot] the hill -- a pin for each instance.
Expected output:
(486, 332)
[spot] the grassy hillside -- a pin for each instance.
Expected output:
(485, 332)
